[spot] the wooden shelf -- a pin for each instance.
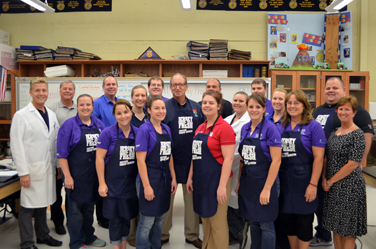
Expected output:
(5, 121)
(93, 68)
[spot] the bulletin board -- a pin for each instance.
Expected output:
(93, 86)
(286, 31)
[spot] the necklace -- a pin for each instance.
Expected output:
(295, 122)
(339, 133)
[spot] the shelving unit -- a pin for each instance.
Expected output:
(312, 82)
(92, 68)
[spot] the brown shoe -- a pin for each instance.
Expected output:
(196, 243)
(132, 242)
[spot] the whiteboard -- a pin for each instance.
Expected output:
(93, 86)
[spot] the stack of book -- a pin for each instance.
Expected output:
(79, 55)
(59, 71)
(44, 54)
(25, 54)
(218, 49)
(239, 55)
(199, 51)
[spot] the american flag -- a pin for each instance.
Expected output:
(3, 82)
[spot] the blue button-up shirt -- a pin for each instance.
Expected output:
(103, 110)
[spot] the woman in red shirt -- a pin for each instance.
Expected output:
(210, 176)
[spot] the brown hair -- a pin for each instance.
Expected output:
(121, 102)
(302, 98)
(259, 81)
(138, 87)
(242, 93)
(155, 78)
(85, 95)
(217, 96)
(260, 100)
(108, 77)
(348, 99)
(280, 90)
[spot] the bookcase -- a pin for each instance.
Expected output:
(190, 68)
(312, 82)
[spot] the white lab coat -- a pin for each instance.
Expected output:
(34, 153)
(237, 127)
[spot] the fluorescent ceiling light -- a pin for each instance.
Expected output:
(187, 4)
(337, 5)
(342, 4)
(39, 5)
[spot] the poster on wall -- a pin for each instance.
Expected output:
(264, 5)
(287, 31)
(17, 6)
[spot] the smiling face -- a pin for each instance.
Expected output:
(255, 110)
(123, 115)
(210, 107)
(333, 91)
(39, 93)
(156, 88)
(157, 111)
(278, 101)
(178, 86)
(67, 92)
(139, 97)
(110, 87)
(258, 88)
(213, 85)
(239, 103)
(84, 107)
(294, 107)
(346, 113)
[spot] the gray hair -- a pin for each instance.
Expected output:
(67, 81)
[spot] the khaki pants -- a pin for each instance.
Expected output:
(191, 220)
(216, 227)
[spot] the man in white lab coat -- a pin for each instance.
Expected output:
(33, 143)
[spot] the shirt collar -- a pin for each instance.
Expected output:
(177, 103)
(61, 105)
(108, 100)
(79, 122)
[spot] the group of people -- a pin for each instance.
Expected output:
(254, 162)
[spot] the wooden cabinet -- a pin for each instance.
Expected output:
(7, 109)
(312, 82)
(190, 68)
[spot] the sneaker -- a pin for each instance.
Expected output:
(243, 241)
(98, 243)
(319, 242)
(83, 247)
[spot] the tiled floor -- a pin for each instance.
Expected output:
(9, 233)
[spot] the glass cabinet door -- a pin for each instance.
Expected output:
(358, 87)
(309, 83)
(283, 79)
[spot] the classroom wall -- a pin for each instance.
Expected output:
(132, 26)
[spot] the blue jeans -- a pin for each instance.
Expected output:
(119, 230)
(262, 235)
(149, 229)
(80, 223)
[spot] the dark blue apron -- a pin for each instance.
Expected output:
(81, 161)
(252, 181)
(295, 175)
(183, 126)
(136, 122)
(120, 174)
(157, 164)
(326, 119)
(206, 176)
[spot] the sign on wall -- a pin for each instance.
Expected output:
(17, 6)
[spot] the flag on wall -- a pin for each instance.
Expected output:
(3, 82)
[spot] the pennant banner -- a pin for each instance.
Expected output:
(264, 5)
(17, 6)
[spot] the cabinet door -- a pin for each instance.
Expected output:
(283, 79)
(309, 83)
(358, 86)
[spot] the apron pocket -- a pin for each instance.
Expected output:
(37, 171)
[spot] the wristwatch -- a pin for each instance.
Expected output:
(328, 183)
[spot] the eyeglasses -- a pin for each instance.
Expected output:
(296, 103)
(178, 85)
(156, 85)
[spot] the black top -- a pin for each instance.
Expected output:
(172, 105)
(226, 109)
(45, 117)
(362, 118)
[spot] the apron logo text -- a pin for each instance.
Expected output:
(249, 152)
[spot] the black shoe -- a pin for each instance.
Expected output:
(104, 224)
(164, 241)
(31, 247)
(50, 241)
(60, 230)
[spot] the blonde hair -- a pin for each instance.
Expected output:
(36, 81)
